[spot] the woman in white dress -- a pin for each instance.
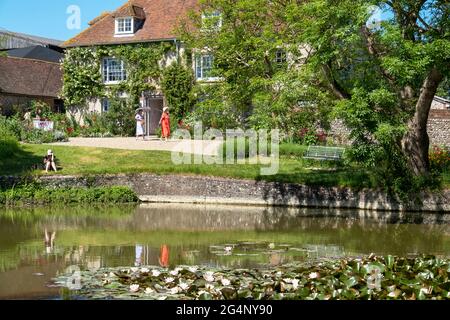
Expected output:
(139, 125)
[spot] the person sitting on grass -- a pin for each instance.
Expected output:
(49, 161)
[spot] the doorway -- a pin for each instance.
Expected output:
(156, 106)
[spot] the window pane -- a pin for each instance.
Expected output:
(212, 19)
(124, 25)
(280, 56)
(120, 25)
(113, 70)
(105, 105)
(127, 27)
(198, 67)
(207, 66)
(203, 66)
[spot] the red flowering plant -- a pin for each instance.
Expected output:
(440, 158)
(321, 137)
(308, 136)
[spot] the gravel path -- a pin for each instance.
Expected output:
(187, 146)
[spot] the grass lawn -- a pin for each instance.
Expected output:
(85, 161)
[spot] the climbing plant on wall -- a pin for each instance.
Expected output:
(83, 79)
(177, 84)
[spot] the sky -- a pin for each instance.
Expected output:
(49, 18)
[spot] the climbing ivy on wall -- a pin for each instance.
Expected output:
(83, 78)
(177, 85)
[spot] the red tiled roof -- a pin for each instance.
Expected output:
(30, 77)
(161, 19)
(97, 19)
(130, 10)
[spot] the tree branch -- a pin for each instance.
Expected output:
(370, 44)
(427, 93)
(333, 85)
(422, 21)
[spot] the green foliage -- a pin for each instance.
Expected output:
(440, 158)
(96, 125)
(40, 109)
(83, 79)
(212, 110)
(38, 136)
(8, 146)
(11, 126)
(120, 118)
(367, 278)
(374, 75)
(444, 89)
(35, 194)
(255, 90)
(23, 130)
(177, 84)
(83, 82)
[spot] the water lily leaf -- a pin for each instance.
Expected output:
(113, 285)
(350, 282)
(205, 296)
(244, 294)
(200, 283)
(389, 261)
(421, 295)
(229, 293)
(303, 292)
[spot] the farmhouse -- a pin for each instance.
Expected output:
(147, 24)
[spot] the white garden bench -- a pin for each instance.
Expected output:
(324, 153)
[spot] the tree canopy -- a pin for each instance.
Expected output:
(380, 77)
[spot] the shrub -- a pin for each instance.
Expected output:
(177, 85)
(38, 136)
(8, 146)
(11, 126)
(292, 150)
(119, 120)
(34, 193)
(440, 158)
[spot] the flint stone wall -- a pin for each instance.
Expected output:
(200, 189)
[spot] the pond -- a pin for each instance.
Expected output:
(37, 244)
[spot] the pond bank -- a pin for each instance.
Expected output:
(213, 190)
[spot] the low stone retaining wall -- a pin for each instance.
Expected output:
(200, 189)
(438, 129)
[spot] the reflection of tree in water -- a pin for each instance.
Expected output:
(363, 231)
(321, 231)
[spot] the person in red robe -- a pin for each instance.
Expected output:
(164, 256)
(165, 124)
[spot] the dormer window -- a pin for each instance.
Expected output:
(124, 26)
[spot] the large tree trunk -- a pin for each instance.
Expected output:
(415, 143)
